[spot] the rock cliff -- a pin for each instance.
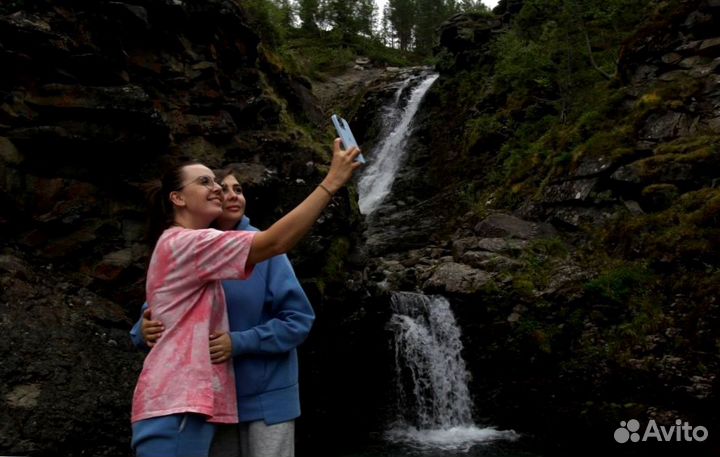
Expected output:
(583, 275)
(95, 97)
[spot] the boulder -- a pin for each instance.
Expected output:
(456, 278)
(507, 226)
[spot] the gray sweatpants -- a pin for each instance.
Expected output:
(254, 439)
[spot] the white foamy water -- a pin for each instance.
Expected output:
(458, 439)
(433, 402)
(377, 179)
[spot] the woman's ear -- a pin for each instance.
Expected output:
(177, 199)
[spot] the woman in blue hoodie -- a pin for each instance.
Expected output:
(269, 316)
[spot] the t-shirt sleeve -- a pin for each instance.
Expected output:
(220, 255)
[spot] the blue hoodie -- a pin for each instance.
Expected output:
(269, 315)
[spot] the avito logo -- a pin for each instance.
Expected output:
(681, 431)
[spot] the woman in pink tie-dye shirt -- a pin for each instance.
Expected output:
(180, 394)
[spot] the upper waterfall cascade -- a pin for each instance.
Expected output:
(377, 179)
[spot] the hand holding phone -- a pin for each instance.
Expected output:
(346, 135)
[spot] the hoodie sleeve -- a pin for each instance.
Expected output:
(291, 314)
(136, 332)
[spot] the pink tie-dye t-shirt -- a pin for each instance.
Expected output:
(184, 293)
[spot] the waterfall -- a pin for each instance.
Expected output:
(376, 181)
(433, 402)
(427, 348)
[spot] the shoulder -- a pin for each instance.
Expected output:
(180, 240)
(280, 264)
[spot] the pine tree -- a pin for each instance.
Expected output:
(402, 18)
(387, 33)
(341, 15)
(472, 5)
(308, 12)
(451, 7)
(429, 15)
(365, 13)
(286, 13)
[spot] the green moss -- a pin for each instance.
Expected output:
(619, 283)
(705, 144)
(540, 260)
(708, 215)
(681, 89)
(479, 129)
(553, 247)
(524, 286)
(615, 142)
(335, 259)
(685, 234)
(650, 100)
(659, 196)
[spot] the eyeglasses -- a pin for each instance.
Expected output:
(205, 181)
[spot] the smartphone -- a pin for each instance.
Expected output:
(346, 135)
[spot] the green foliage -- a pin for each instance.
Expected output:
(309, 14)
(321, 54)
(560, 46)
(268, 19)
(540, 259)
(685, 235)
(475, 6)
(619, 283)
(349, 17)
(402, 18)
(523, 66)
(479, 129)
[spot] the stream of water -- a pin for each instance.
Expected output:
(376, 181)
(433, 410)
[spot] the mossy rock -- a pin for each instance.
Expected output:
(691, 167)
(657, 197)
(686, 235)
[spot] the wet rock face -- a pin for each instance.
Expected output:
(65, 352)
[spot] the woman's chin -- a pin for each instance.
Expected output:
(214, 214)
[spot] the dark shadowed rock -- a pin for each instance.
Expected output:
(71, 349)
(575, 190)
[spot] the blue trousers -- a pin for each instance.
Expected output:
(176, 435)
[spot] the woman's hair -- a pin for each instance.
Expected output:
(227, 171)
(161, 210)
